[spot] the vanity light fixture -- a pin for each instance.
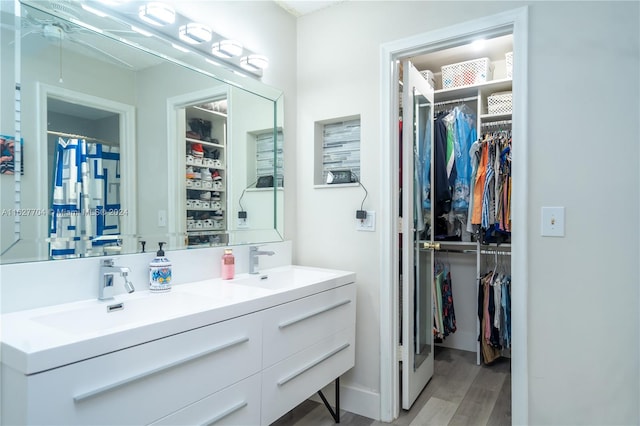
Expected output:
(254, 62)
(227, 49)
(194, 33)
(158, 14)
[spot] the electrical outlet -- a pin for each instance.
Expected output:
(243, 223)
(367, 224)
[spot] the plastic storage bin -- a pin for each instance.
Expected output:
(466, 73)
(500, 103)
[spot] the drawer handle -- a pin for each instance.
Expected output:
(120, 383)
(313, 314)
(313, 364)
(225, 413)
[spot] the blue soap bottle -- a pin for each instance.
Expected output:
(160, 272)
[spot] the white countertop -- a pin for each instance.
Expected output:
(41, 339)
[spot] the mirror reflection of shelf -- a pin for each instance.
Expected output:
(217, 145)
(210, 111)
(206, 222)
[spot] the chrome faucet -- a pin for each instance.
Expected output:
(253, 258)
(105, 280)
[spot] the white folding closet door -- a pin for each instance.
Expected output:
(417, 270)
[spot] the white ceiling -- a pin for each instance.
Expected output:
(493, 49)
(304, 7)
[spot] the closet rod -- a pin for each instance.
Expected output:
(462, 251)
(456, 101)
(504, 253)
(72, 135)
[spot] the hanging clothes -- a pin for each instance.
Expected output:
(490, 205)
(494, 314)
(441, 180)
(465, 135)
(444, 317)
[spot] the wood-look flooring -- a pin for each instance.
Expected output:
(460, 393)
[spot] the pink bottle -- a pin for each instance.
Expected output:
(228, 265)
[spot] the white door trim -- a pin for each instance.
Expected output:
(517, 19)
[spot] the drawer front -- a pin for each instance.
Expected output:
(291, 381)
(238, 404)
(146, 382)
(294, 326)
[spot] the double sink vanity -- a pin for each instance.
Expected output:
(242, 351)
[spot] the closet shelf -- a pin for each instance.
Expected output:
(487, 118)
(210, 111)
(462, 92)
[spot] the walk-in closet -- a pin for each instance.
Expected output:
(455, 109)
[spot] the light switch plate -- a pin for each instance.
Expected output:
(552, 222)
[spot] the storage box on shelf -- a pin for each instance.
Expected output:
(428, 75)
(500, 103)
(509, 62)
(467, 73)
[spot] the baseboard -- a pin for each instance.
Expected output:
(462, 340)
(353, 399)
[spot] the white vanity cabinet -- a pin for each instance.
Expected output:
(140, 384)
(307, 344)
(243, 362)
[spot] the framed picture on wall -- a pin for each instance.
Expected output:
(7, 155)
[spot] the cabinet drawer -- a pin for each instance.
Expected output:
(146, 382)
(291, 381)
(294, 326)
(238, 404)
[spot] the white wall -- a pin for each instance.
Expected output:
(583, 323)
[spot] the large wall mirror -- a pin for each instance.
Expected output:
(111, 138)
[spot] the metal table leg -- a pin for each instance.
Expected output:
(334, 414)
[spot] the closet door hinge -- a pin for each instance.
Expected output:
(400, 352)
(400, 225)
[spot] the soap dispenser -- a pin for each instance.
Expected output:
(160, 272)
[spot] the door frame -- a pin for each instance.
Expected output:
(516, 21)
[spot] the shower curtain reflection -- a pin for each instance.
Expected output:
(85, 206)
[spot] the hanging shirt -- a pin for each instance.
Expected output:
(478, 190)
(474, 157)
(441, 184)
(465, 135)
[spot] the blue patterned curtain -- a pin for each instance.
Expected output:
(86, 199)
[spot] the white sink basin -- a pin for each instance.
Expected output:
(94, 316)
(286, 277)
